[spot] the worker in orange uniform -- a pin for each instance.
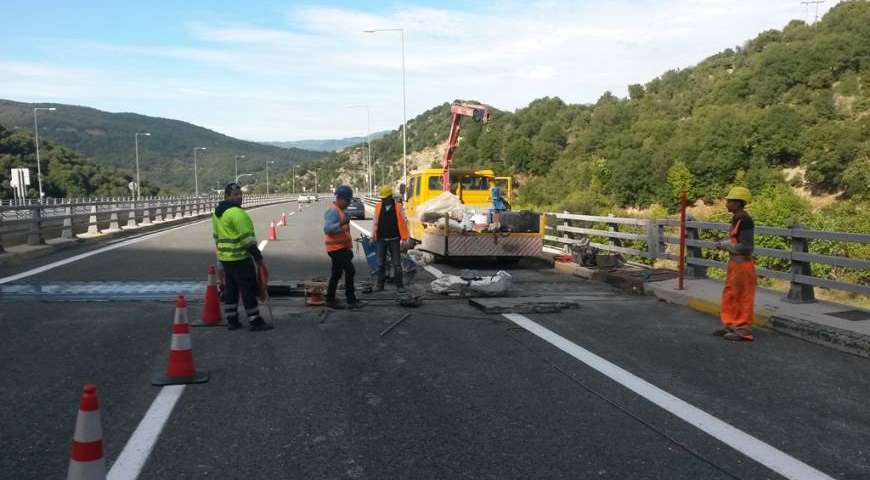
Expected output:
(339, 247)
(738, 296)
(389, 230)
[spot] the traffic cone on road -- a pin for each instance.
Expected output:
(283, 219)
(273, 232)
(211, 310)
(180, 369)
(314, 294)
(86, 461)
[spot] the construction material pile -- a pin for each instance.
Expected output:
(471, 284)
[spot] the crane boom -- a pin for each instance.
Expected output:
(479, 113)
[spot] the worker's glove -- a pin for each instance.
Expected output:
(405, 245)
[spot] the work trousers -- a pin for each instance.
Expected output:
(393, 246)
(342, 263)
(241, 278)
(738, 296)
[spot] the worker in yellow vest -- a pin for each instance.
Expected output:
(738, 296)
(389, 230)
(239, 256)
(339, 247)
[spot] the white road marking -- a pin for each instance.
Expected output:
(262, 245)
(132, 459)
(361, 229)
(763, 453)
(124, 243)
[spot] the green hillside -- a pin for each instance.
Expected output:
(65, 172)
(795, 98)
(166, 158)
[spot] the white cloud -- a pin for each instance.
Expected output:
(294, 80)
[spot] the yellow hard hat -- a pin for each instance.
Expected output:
(739, 193)
(386, 191)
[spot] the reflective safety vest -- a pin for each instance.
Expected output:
(233, 234)
(400, 218)
(341, 240)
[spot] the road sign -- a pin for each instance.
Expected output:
(20, 176)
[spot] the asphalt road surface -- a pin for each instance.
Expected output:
(450, 393)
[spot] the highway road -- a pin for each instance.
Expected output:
(623, 387)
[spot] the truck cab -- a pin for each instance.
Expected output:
(473, 187)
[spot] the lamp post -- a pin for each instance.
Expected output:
(370, 164)
(267, 175)
(294, 178)
(404, 105)
(195, 170)
(36, 140)
(237, 166)
(136, 143)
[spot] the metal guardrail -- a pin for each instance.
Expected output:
(563, 229)
(33, 223)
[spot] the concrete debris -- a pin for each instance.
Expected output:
(490, 286)
(525, 304)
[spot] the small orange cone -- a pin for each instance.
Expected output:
(314, 294)
(283, 219)
(86, 461)
(180, 369)
(211, 310)
(273, 232)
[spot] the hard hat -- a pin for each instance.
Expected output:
(386, 191)
(739, 193)
(343, 191)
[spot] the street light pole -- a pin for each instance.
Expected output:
(404, 106)
(36, 140)
(195, 170)
(370, 164)
(294, 178)
(267, 175)
(237, 166)
(136, 143)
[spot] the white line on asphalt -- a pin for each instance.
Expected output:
(262, 245)
(361, 229)
(132, 459)
(761, 452)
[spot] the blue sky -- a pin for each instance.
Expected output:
(267, 70)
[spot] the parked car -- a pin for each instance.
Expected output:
(356, 209)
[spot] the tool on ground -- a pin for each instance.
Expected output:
(273, 232)
(86, 460)
(263, 286)
(180, 369)
(211, 310)
(395, 324)
(283, 219)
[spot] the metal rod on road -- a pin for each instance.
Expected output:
(395, 324)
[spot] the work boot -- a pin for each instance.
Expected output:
(233, 324)
(721, 332)
(739, 335)
(334, 304)
(356, 304)
(259, 325)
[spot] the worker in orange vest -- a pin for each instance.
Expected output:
(738, 296)
(389, 230)
(339, 247)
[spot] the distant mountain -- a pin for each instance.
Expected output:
(165, 158)
(328, 145)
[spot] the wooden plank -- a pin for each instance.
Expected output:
(832, 284)
(836, 236)
(624, 250)
(832, 260)
(599, 219)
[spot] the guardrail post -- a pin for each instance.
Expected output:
(146, 213)
(653, 238)
(158, 214)
(93, 226)
(2, 250)
(131, 215)
(114, 226)
(613, 227)
(35, 235)
(798, 292)
(693, 233)
(67, 232)
(565, 235)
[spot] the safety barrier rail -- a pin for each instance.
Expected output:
(33, 223)
(650, 239)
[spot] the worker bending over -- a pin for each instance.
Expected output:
(389, 231)
(339, 247)
(738, 296)
(239, 256)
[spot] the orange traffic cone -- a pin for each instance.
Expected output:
(211, 310)
(86, 461)
(273, 232)
(314, 294)
(283, 219)
(180, 369)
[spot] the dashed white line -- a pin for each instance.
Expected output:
(129, 464)
(763, 453)
(262, 245)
